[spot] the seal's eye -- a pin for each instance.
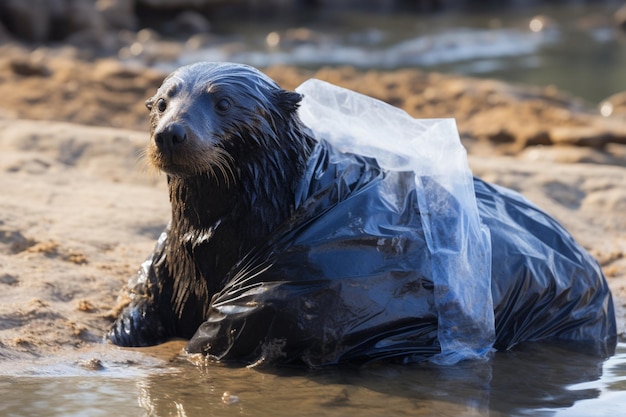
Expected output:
(161, 105)
(223, 105)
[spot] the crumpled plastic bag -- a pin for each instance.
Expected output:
(459, 243)
(396, 252)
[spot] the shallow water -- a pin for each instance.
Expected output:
(536, 380)
(577, 48)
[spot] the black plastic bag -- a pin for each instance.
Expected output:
(329, 290)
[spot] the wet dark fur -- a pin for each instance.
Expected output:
(231, 181)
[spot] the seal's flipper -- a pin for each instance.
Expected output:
(139, 325)
(145, 321)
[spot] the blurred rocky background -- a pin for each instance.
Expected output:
(517, 75)
(95, 22)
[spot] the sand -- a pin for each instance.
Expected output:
(79, 211)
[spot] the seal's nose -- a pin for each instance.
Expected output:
(170, 137)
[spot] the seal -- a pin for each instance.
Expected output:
(233, 152)
(283, 249)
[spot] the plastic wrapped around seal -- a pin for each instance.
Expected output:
(459, 244)
(395, 251)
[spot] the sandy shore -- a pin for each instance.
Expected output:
(79, 211)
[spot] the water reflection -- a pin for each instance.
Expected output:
(532, 380)
(529, 381)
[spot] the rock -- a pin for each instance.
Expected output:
(187, 23)
(30, 20)
(82, 15)
(48, 20)
(118, 14)
(86, 27)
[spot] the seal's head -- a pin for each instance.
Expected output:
(211, 118)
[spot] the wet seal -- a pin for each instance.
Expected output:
(283, 249)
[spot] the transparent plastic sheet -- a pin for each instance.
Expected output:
(459, 243)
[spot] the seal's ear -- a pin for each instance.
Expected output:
(149, 103)
(288, 101)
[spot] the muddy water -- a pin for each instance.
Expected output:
(533, 380)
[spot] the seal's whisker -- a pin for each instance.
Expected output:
(146, 163)
(225, 163)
